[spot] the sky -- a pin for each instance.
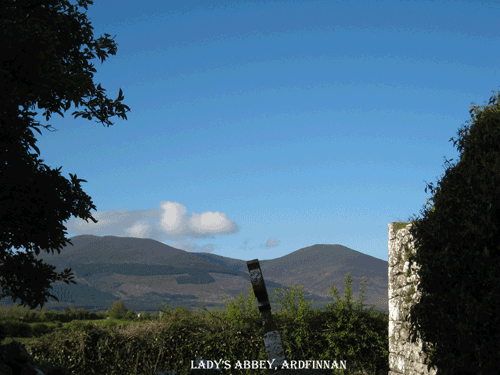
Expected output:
(260, 128)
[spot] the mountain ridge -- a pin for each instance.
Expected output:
(145, 273)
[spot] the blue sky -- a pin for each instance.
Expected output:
(260, 128)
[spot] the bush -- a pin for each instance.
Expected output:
(238, 312)
(76, 325)
(17, 329)
(47, 316)
(131, 315)
(3, 333)
(30, 317)
(41, 329)
(118, 310)
(110, 323)
(458, 253)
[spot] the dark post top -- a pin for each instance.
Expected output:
(259, 289)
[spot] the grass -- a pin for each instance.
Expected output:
(88, 343)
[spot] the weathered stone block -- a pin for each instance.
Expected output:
(404, 356)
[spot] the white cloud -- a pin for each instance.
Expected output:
(212, 222)
(138, 229)
(271, 242)
(173, 217)
(170, 222)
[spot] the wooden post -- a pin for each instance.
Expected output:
(272, 338)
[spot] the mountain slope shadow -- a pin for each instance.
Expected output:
(145, 273)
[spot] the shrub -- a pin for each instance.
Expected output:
(17, 329)
(240, 311)
(118, 310)
(458, 253)
(40, 329)
(131, 315)
(110, 323)
(30, 317)
(76, 325)
(47, 316)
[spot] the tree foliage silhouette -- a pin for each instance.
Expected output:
(458, 251)
(118, 310)
(41, 63)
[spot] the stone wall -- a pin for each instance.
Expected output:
(404, 356)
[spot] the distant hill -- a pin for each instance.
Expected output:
(145, 273)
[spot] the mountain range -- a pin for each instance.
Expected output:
(145, 274)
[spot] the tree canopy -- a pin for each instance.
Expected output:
(118, 310)
(42, 64)
(458, 251)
